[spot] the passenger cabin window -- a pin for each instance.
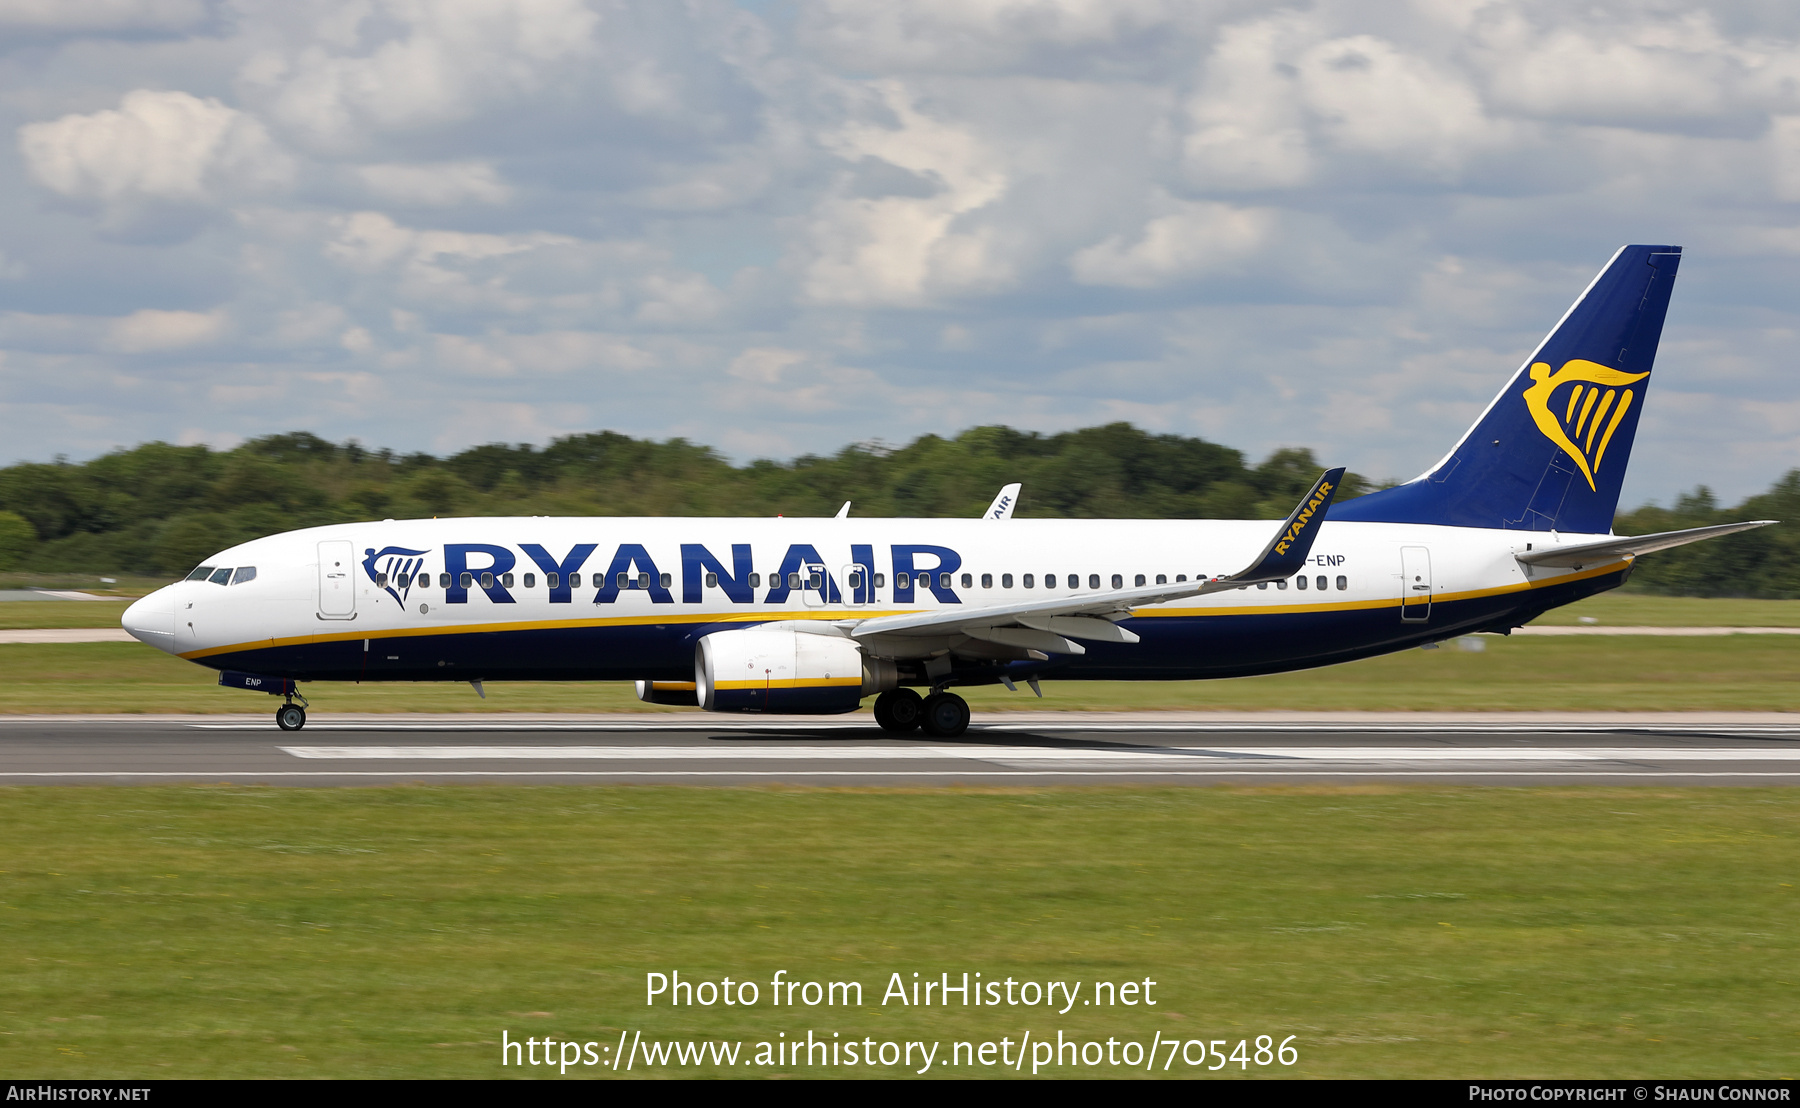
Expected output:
(793, 580)
(1282, 585)
(944, 581)
(200, 574)
(756, 580)
(444, 580)
(1161, 579)
(1139, 580)
(853, 580)
(1026, 581)
(1321, 582)
(987, 580)
(575, 580)
(1006, 580)
(969, 582)
(1093, 581)
(381, 580)
(712, 580)
(1262, 584)
(487, 580)
(468, 580)
(1179, 578)
(1343, 583)
(667, 580)
(220, 577)
(506, 580)
(881, 580)
(902, 581)
(531, 580)
(1075, 581)
(244, 573)
(1300, 581)
(1119, 580)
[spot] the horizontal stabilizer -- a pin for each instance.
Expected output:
(1592, 553)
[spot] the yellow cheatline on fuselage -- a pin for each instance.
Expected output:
(1593, 382)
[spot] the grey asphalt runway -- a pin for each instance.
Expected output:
(1067, 750)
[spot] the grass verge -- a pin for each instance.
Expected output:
(1398, 932)
(1735, 673)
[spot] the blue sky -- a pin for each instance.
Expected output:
(782, 227)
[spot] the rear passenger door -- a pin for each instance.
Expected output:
(1415, 584)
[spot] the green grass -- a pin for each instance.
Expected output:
(1743, 672)
(1399, 932)
(25, 614)
(1617, 609)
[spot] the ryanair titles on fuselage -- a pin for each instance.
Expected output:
(482, 567)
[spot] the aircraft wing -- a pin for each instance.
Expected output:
(1048, 625)
(1004, 503)
(1592, 553)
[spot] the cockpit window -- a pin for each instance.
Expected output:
(244, 573)
(220, 576)
(200, 574)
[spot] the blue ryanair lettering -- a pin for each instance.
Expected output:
(864, 556)
(632, 559)
(559, 593)
(734, 582)
(932, 577)
(456, 563)
(799, 556)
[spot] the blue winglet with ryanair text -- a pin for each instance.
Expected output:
(1287, 551)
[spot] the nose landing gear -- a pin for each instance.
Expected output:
(290, 717)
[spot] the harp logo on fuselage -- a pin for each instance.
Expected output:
(1572, 419)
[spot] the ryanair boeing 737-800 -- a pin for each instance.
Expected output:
(813, 615)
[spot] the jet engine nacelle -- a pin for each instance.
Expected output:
(757, 670)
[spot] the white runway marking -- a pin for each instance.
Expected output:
(1034, 757)
(699, 723)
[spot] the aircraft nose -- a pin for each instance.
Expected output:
(152, 620)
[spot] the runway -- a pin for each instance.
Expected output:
(1046, 749)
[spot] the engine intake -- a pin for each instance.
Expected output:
(757, 670)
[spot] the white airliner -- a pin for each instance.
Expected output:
(813, 615)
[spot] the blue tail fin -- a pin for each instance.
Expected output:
(1550, 451)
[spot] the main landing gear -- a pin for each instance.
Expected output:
(942, 715)
(290, 716)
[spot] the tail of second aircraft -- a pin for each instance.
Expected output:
(1550, 451)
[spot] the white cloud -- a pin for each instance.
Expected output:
(436, 185)
(1197, 240)
(908, 250)
(101, 15)
(788, 227)
(158, 145)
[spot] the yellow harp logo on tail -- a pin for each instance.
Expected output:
(1572, 419)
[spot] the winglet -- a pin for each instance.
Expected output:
(1003, 505)
(1286, 553)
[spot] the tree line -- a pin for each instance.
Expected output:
(158, 509)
